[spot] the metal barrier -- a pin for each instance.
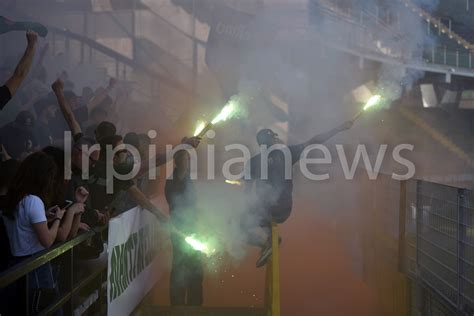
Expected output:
(437, 244)
(19, 272)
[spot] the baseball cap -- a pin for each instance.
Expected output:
(265, 136)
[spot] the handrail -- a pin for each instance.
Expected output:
(438, 24)
(19, 270)
(440, 55)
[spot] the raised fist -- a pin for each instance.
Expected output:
(31, 37)
(58, 85)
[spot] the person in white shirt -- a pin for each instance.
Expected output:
(27, 204)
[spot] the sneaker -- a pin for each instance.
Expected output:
(266, 253)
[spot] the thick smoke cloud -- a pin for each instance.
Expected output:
(315, 80)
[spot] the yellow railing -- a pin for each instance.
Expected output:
(272, 281)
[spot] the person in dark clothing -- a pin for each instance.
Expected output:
(87, 95)
(275, 191)
(187, 269)
(18, 137)
(91, 217)
(98, 183)
(11, 86)
(124, 202)
(98, 178)
(45, 109)
(8, 169)
(104, 129)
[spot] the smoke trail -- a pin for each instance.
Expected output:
(409, 43)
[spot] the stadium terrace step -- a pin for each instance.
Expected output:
(199, 311)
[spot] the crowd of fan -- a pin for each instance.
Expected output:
(39, 204)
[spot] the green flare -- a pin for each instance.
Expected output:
(199, 128)
(226, 112)
(374, 100)
(197, 245)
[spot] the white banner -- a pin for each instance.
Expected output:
(132, 260)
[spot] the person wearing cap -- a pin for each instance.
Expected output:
(11, 86)
(275, 192)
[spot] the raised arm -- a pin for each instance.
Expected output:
(143, 202)
(58, 88)
(39, 64)
(162, 158)
(322, 138)
(24, 65)
(101, 95)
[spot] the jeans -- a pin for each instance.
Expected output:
(44, 278)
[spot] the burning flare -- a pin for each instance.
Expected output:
(374, 100)
(235, 182)
(225, 113)
(198, 245)
(199, 128)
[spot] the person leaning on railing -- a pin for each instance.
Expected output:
(72, 219)
(25, 216)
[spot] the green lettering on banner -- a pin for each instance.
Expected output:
(113, 275)
(125, 264)
(130, 252)
(121, 269)
(129, 259)
(145, 245)
(134, 255)
(141, 254)
(117, 280)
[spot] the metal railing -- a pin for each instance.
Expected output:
(73, 286)
(376, 20)
(437, 241)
